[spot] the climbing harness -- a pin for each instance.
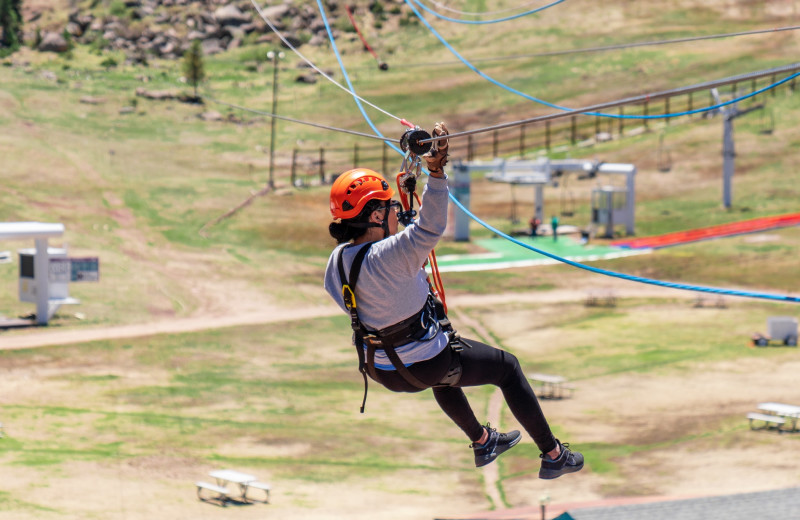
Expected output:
(425, 323)
(429, 320)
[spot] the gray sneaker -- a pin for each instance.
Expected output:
(567, 462)
(495, 445)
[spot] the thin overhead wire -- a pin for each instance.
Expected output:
(444, 7)
(568, 110)
(589, 110)
(299, 121)
(697, 288)
(311, 64)
(484, 22)
(619, 46)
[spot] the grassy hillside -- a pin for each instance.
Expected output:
(135, 188)
(140, 183)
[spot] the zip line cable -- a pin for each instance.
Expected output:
(300, 54)
(646, 97)
(541, 101)
(298, 121)
(698, 288)
(483, 22)
(444, 7)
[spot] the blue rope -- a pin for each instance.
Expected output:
(633, 278)
(598, 114)
(483, 22)
(714, 290)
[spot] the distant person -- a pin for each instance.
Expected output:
(554, 226)
(401, 333)
(584, 236)
(534, 224)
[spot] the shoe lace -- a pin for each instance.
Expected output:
(489, 431)
(564, 446)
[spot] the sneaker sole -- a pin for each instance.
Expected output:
(499, 452)
(555, 473)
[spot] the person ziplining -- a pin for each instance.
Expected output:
(402, 336)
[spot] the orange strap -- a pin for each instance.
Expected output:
(436, 284)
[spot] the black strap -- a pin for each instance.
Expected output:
(349, 297)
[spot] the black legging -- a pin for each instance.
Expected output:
(481, 365)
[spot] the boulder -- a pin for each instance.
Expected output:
(231, 15)
(306, 78)
(292, 39)
(195, 35)
(318, 40)
(211, 115)
(276, 12)
(53, 42)
(91, 100)
(155, 94)
(212, 46)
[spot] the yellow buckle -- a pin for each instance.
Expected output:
(349, 297)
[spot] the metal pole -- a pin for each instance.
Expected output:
(274, 55)
(728, 157)
(547, 135)
(573, 132)
(294, 164)
(321, 165)
(646, 112)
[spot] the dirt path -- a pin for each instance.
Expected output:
(204, 319)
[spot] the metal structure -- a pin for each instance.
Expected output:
(39, 288)
(729, 113)
(274, 56)
(615, 208)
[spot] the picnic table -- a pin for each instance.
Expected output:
(223, 477)
(551, 386)
(785, 411)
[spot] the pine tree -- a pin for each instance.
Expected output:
(11, 23)
(193, 65)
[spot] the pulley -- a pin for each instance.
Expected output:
(410, 141)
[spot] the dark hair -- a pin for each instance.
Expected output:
(352, 228)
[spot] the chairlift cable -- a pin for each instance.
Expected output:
(444, 7)
(614, 47)
(589, 110)
(567, 110)
(484, 22)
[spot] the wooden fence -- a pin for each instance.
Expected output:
(559, 135)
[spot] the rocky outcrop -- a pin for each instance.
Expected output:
(53, 42)
(166, 28)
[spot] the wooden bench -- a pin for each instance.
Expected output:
(263, 486)
(222, 493)
(767, 419)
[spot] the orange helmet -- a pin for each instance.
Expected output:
(354, 188)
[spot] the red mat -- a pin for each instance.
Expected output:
(723, 230)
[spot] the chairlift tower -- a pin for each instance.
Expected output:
(614, 206)
(729, 113)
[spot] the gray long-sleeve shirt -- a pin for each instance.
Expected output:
(392, 285)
